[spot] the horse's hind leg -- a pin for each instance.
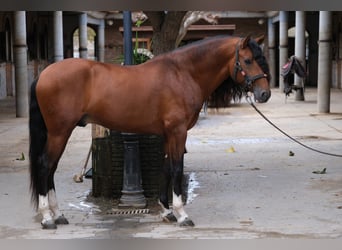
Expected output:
(47, 204)
(43, 199)
(58, 216)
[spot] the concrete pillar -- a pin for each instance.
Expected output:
(58, 35)
(101, 41)
(300, 51)
(271, 52)
(83, 36)
(283, 44)
(324, 61)
(20, 64)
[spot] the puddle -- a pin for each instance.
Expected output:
(192, 185)
(84, 206)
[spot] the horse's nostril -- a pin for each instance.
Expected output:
(264, 96)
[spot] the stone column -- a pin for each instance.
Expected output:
(58, 35)
(20, 64)
(300, 51)
(283, 44)
(324, 61)
(83, 39)
(101, 41)
(271, 52)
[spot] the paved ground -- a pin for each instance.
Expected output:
(258, 191)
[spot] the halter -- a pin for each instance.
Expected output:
(248, 79)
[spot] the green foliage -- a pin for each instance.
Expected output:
(138, 56)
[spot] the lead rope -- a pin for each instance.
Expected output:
(249, 100)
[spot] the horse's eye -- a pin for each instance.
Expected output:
(248, 61)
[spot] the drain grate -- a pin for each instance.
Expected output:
(128, 211)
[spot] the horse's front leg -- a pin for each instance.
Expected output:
(167, 213)
(175, 148)
(177, 202)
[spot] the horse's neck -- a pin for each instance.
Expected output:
(212, 68)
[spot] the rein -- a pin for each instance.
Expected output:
(249, 100)
(237, 68)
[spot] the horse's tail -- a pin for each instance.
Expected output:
(38, 137)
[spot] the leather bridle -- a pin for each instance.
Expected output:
(249, 80)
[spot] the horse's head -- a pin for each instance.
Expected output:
(251, 68)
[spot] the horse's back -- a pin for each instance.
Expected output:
(69, 69)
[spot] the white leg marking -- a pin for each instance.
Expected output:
(53, 203)
(178, 207)
(165, 211)
(43, 208)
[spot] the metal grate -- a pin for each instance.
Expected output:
(128, 211)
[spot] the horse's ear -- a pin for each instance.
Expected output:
(244, 42)
(260, 39)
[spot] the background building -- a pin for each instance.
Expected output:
(51, 36)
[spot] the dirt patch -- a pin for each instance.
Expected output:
(327, 185)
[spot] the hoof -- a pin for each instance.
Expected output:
(170, 218)
(187, 223)
(49, 225)
(61, 220)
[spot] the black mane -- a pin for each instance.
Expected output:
(230, 90)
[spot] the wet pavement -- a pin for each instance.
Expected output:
(244, 183)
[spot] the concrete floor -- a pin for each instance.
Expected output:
(258, 191)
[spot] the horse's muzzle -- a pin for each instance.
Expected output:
(261, 95)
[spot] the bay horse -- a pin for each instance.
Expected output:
(162, 96)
